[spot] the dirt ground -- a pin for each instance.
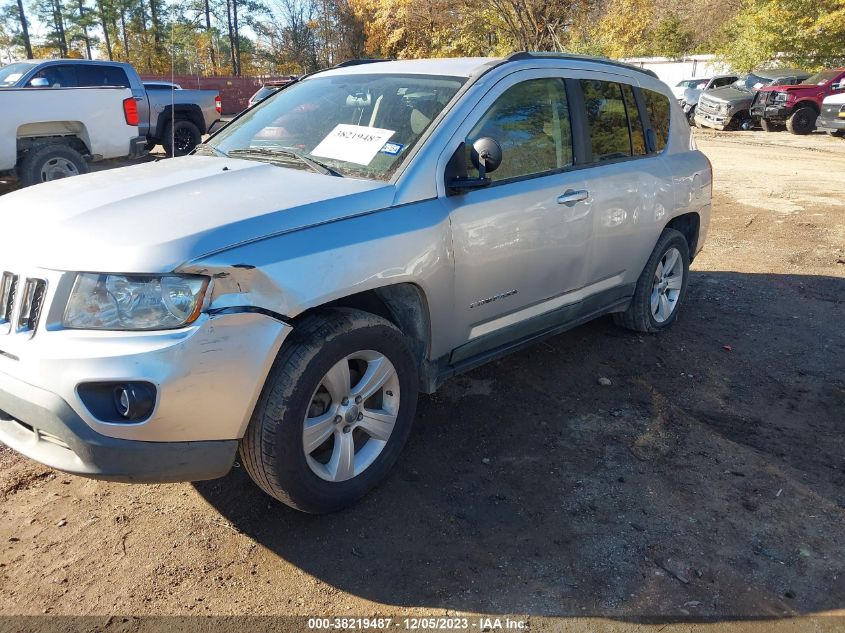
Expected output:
(704, 486)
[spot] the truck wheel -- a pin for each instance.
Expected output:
(768, 126)
(334, 413)
(661, 287)
(180, 137)
(43, 163)
(802, 121)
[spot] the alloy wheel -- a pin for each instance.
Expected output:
(667, 284)
(351, 416)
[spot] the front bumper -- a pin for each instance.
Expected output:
(43, 427)
(716, 121)
(827, 122)
(207, 379)
(770, 112)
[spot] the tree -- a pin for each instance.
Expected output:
(806, 33)
(671, 37)
(27, 44)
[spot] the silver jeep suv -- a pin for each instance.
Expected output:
(360, 236)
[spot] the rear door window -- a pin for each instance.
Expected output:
(607, 121)
(96, 75)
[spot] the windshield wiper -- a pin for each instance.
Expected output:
(209, 150)
(316, 166)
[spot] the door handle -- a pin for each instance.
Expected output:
(571, 197)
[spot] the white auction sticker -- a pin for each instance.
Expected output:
(353, 143)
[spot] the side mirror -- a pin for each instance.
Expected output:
(486, 155)
(39, 82)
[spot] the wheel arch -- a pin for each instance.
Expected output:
(187, 111)
(689, 225)
(403, 304)
(72, 133)
(806, 103)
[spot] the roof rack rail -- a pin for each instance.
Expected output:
(524, 55)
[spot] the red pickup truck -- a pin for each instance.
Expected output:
(797, 106)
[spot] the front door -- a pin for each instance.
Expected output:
(521, 243)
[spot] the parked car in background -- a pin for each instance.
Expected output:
(47, 134)
(364, 235)
(689, 98)
(269, 88)
(796, 107)
(161, 85)
(176, 119)
(832, 117)
(728, 108)
(702, 83)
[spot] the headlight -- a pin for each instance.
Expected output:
(725, 108)
(781, 96)
(134, 302)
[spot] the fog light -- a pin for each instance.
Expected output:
(133, 401)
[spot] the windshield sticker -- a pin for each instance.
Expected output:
(357, 144)
(392, 148)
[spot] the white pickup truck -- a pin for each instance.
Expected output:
(51, 133)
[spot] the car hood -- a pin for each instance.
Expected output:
(729, 94)
(156, 216)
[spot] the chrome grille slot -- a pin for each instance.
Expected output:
(8, 292)
(31, 304)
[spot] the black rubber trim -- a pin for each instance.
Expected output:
(563, 317)
(250, 310)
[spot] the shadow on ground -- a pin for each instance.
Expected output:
(707, 481)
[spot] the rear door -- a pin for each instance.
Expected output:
(629, 183)
(520, 244)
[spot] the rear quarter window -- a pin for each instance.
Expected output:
(657, 107)
(97, 75)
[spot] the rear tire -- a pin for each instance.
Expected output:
(659, 293)
(180, 137)
(802, 121)
(303, 391)
(44, 163)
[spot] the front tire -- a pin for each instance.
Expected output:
(335, 412)
(802, 121)
(661, 288)
(44, 163)
(768, 126)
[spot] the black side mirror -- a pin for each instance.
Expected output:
(486, 156)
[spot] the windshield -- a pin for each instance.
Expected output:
(359, 125)
(821, 78)
(698, 84)
(9, 75)
(751, 82)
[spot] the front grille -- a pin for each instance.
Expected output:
(707, 105)
(27, 302)
(33, 301)
(8, 291)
